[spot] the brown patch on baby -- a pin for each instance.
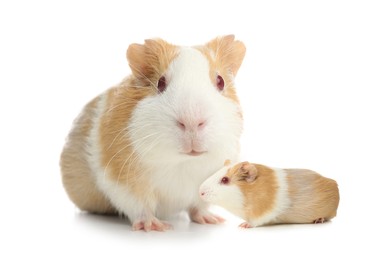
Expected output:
(259, 186)
(313, 196)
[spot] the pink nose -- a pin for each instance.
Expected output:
(202, 193)
(191, 125)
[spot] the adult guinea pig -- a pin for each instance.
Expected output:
(263, 195)
(143, 148)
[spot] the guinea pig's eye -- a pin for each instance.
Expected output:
(220, 83)
(225, 180)
(162, 84)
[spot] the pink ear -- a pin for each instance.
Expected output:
(248, 171)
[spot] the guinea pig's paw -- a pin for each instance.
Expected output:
(319, 221)
(245, 225)
(151, 224)
(205, 217)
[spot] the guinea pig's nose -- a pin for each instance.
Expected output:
(192, 125)
(204, 194)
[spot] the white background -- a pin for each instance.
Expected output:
(314, 89)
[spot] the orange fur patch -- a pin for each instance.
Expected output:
(77, 177)
(225, 56)
(313, 196)
(118, 158)
(260, 195)
(149, 61)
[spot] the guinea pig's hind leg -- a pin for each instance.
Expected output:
(203, 216)
(319, 221)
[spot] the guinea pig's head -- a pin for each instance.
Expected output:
(191, 110)
(226, 187)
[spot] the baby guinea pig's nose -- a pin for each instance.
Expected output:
(204, 192)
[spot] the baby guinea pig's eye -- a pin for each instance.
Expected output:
(225, 180)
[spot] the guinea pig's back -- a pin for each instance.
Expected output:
(312, 197)
(77, 176)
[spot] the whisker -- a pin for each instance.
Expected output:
(121, 104)
(109, 162)
(134, 143)
(136, 157)
(144, 76)
(121, 131)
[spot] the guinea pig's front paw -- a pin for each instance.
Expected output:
(205, 217)
(151, 224)
(245, 225)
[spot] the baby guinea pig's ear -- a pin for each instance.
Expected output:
(228, 52)
(149, 60)
(248, 172)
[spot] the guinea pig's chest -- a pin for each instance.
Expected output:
(178, 186)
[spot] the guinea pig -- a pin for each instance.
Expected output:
(142, 148)
(263, 195)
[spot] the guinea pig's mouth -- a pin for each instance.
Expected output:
(195, 153)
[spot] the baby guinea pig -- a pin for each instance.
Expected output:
(263, 195)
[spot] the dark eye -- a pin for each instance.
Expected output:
(220, 83)
(162, 84)
(225, 180)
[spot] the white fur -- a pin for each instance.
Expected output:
(93, 139)
(160, 145)
(225, 195)
(282, 200)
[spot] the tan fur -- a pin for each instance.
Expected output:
(225, 56)
(227, 163)
(77, 177)
(313, 196)
(117, 154)
(260, 194)
(149, 61)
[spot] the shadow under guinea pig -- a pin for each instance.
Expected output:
(182, 226)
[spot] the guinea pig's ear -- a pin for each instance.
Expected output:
(136, 54)
(248, 172)
(151, 58)
(228, 52)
